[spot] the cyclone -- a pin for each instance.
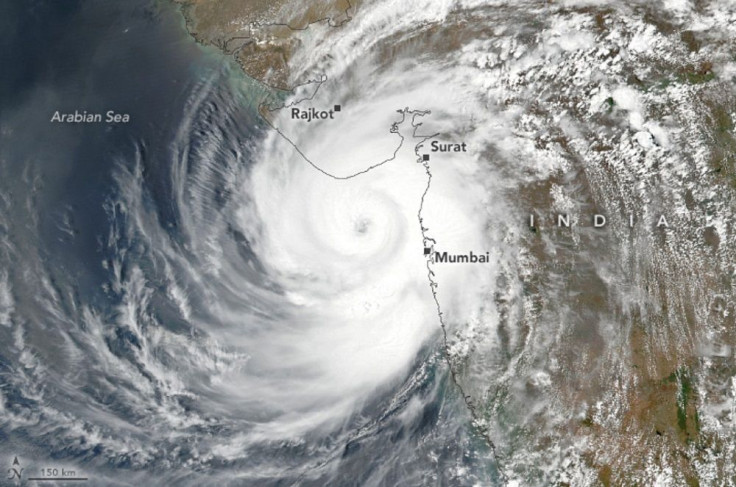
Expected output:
(248, 299)
(232, 290)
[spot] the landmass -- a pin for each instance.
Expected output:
(261, 35)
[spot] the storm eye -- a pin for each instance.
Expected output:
(362, 225)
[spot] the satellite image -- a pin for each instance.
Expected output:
(368, 243)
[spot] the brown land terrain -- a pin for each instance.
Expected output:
(262, 35)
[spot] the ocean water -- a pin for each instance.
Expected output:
(132, 306)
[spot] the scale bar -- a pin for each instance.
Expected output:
(56, 479)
